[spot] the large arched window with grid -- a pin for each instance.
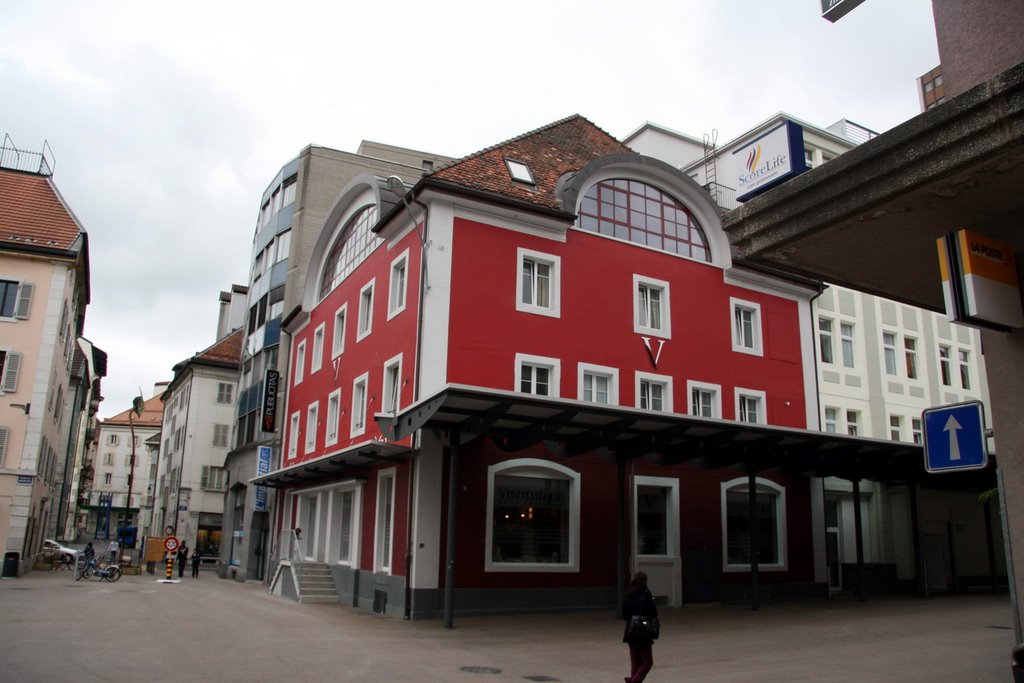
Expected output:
(352, 245)
(641, 213)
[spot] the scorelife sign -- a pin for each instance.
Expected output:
(771, 158)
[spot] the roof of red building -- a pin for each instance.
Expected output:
(152, 414)
(550, 152)
(33, 214)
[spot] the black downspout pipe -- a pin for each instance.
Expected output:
(453, 490)
(755, 579)
(858, 527)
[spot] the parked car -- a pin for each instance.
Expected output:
(53, 549)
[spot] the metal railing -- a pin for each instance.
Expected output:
(22, 160)
(291, 552)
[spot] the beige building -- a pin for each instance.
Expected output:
(44, 290)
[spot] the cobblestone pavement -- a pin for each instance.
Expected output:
(208, 629)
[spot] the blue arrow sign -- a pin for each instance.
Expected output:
(954, 437)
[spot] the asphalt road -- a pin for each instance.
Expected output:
(207, 629)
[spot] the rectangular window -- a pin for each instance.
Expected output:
(359, 406)
(212, 478)
(345, 526)
(746, 327)
(311, 418)
(945, 373)
(910, 353)
(537, 375)
(895, 427)
(300, 361)
(338, 340)
(333, 417)
(653, 392)
(107, 478)
(289, 192)
(10, 368)
(916, 430)
(220, 435)
(391, 400)
(385, 520)
(365, 325)
(889, 351)
(15, 299)
(598, 384)
(284, 243)
(651, 307)
(537, 284)
(225, 392)
(705, 399)
(112, 440)
(108, 459)
(750, 406)
(825, 340)
(397, 284)
(846, 340)
(318, 349)
(652, 520)
(293, 436)
(852, 422)
(831, 420)
(965, 369)
(534, 519)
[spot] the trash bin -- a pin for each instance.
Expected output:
(1018, 664)
(10, 565)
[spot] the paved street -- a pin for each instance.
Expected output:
(207, 629)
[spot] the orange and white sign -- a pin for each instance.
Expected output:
(979, 280)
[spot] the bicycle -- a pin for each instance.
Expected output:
(109, 572)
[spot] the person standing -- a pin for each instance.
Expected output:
(196, 559)
(639, 602)
(114, 548)
(182, 559)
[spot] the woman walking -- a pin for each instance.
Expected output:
(639, 602)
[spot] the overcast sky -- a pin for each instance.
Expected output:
(168, 120)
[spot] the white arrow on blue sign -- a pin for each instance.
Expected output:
(954, 437)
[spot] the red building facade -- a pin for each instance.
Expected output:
(563, 269)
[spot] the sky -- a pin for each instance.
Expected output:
(168, 121)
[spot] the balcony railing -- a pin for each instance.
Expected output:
(22, 160)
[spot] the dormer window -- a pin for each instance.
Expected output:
(520, 172)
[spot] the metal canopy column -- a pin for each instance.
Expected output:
(920, 578)
(620, 543)
(859, 536)
(453, 490)
(755, 590)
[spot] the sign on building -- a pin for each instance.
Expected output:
(769, 159)
(837, 9)
(262, 468)
(270, 400)
(979, 281)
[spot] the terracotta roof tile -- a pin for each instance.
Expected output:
(550, 152)
(227, 350)
(32, 212)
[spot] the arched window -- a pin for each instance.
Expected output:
(352, 245)
(641, 213)
(769, 530)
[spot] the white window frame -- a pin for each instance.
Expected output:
(225, 393)
(364, 325)
(665, 331)
(754, 346)
(910, 357)
(395, 362)
(293, 435)
(300, 362)
(889, 362)
(398, 293)
(382, 562)
(945, 365)
(533, 467)
(334, 515)
(762, 404)
(831, 420)
(317, 361)
(896, 427)
(847, 345)
(780, 520)
(716, 397)
(672, 514)
(312, 415)
(360, 399)
(853, 426)
(963, 357)
(333, 424)
(609, 373)
(664, 380)
(338, 333)
(826, 339)
(554, 366)
(554, 263)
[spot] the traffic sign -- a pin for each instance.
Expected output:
(954, 437)
(170, 544)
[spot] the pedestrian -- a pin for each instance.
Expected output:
(639, 602)
(114, 548)
(89, 551)
(182, 559)
(196, 559)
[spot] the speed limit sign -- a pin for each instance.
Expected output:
(170, 544)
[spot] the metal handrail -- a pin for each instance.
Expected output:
(290, 544)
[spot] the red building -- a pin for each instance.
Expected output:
(511, 385)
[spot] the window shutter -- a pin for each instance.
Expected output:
(3, 445)
(24, 301)
(11, 368)
(206, 477)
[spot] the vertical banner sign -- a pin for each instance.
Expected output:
(262, 467)
(270, 400)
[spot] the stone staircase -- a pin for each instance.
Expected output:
(316, 583)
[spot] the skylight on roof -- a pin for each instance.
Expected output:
(520, 172)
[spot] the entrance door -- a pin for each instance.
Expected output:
(936, 562)
(656, 536)
(308, 540)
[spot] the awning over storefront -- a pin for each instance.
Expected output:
(515, 421)
(329, 467)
